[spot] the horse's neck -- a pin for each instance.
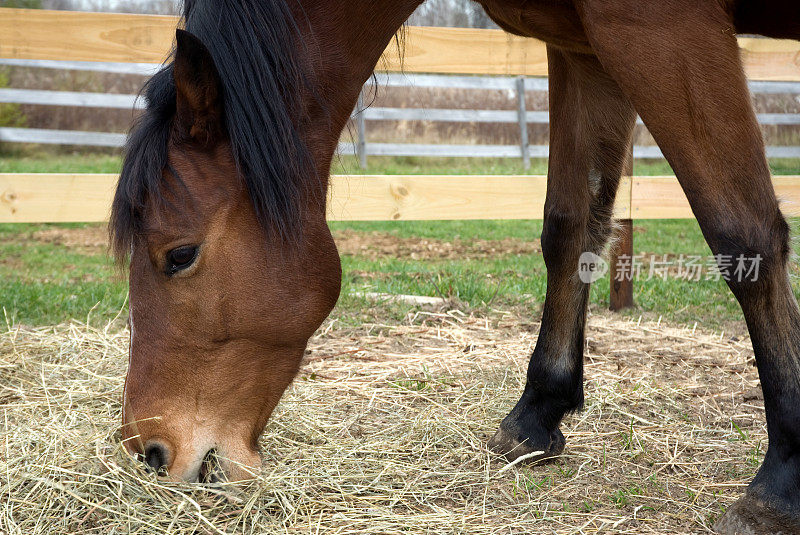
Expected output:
(364, 29)
(349, 37)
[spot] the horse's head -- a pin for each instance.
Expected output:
(222, 304)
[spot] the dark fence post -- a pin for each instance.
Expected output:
(523, 123)
(622, 272)
(361, 126)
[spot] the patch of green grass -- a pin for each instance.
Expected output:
(46, 283)
(50, 160)
(43, 283)
(533, 481)
(413, 165)
(742, 435)
(417, 385)
(24, 162)
(521, 280)
(448, 230)
(756, 456)
(622, 497)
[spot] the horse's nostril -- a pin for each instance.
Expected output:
(155, 457)
(211, 470)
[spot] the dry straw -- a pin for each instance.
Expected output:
(384, 432)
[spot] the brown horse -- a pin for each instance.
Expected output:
(221, 207)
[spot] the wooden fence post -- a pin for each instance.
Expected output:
(361, 126)
(621, 291)
(523, 123)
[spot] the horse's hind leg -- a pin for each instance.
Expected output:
(678, 62)
(590, 128)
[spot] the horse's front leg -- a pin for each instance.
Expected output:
(679, 63)
(590, 129)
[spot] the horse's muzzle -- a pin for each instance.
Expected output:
(200, 461)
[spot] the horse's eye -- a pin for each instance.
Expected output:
(180, 258)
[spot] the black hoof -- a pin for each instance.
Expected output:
(513, 444)
(752, 516)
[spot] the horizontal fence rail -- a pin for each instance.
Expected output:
(61, 137)
(510, 151)
(121, 101)
(389, 79)
(71, 98)
(458, 115)
(65, 198)
(79, 36)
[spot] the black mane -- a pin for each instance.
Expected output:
(254, 46)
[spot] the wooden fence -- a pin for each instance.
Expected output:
(363, 147)
(65, 197)
(58, 35)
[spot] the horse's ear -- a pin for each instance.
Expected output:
(198, 90)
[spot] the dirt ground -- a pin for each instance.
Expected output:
(91, 239)
(377, 245)
(384, 431)
(372, 245)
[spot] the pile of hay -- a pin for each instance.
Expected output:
(384, 431)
